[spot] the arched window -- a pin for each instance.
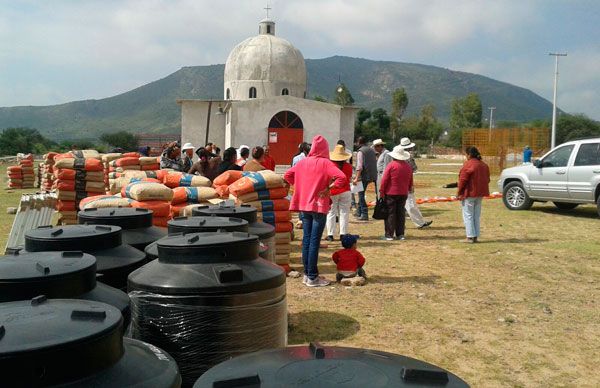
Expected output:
(252, 93)
(285, 92)
(227, 94)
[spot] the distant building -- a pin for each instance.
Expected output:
(265, 102)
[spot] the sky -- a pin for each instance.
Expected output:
(58, 51)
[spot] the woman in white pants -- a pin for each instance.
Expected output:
(341, 199)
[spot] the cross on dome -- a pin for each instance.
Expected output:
(267, 8)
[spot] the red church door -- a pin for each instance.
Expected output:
(285, 134)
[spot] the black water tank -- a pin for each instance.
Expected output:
(264, 231)
(326, 366)
(58, 275)
(136, 223)
(114, 261)
(207, 298)
(76, 343)
(199, 225)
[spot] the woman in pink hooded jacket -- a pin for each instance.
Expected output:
(312, 178)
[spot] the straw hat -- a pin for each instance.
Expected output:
(399, 153)
(405, 143)
(339, 154)
(187, 146)
(377, 142)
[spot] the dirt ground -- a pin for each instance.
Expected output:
(519, 309)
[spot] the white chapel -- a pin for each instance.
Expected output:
(264, 102)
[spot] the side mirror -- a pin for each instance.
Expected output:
(538, 163)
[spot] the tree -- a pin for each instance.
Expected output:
(429, 125)
(399, 104)
(343, 96)
(380, 121)
(571, 127)
(24, 140)
(121, 139)
(466, 112)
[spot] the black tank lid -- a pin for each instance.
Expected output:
(326, 366)
(51, 341)
(203, 224)
(125, 217)
(262, 230)
(72, 238)
(24, 275)
(245, 212)
(211, 247)
(207, 264)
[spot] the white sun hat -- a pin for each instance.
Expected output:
(187, 146)
(399, 153)
(405, 143)
(377, 142)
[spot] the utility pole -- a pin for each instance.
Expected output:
(491, 108)
(555, 55)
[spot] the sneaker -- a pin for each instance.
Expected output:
(304, 279)
(317, 282)
(468, 240)
(385, 238)
(401, 238)
(425, 225)
(329, 238)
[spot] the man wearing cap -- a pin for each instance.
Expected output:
(188, 154)
(411, 203)
(381, 152)
(366, 172)
(171, 157)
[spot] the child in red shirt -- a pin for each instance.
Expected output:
(349, 261)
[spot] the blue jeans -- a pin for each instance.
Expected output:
(363, 209)
(312, 225)
(471, 211)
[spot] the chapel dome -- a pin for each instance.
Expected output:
(267, 63)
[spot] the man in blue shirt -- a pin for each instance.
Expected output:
(527, 153)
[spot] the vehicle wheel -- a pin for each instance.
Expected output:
(565, 205)
(515, 197)
(598, 205)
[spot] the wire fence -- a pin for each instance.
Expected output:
(503, 147)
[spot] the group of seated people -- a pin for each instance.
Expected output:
(209, 161)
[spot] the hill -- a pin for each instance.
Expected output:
(152, 108)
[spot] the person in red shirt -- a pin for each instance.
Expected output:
(341, 198)
(349, 261)
(473, 185)
(268, 161)
(396, 183)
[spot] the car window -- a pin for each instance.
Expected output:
(559, 157)
(588, 155)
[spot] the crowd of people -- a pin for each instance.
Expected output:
(325, 183)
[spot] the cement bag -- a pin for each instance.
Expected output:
(255, 181)
(68, 174)
(107, 158)
(127, 161)
(179, 179)
(161, 221)
(64, 206)
(131, 154)
(271, 205)
(187, 211)
(147, 191)
(69, 195)
(160, 174)
(132, 167)
(68, 185)
(283, 248)
(222, 191)
(283, 238)
(159, 208)
(15, 176)
(86, 154)
(150, 167)
(146, 160)
(102, 201)
(227, 178)
(282, 259)
(14, 169)
(278, 193)
(80, 164)
(116, 185)
(192, 194)
(274, 217)
(281, 227)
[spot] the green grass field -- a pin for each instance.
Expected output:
(519, 309)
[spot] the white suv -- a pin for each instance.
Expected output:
(568, 175)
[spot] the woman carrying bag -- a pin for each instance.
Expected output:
(396, 183)
(341, 198)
